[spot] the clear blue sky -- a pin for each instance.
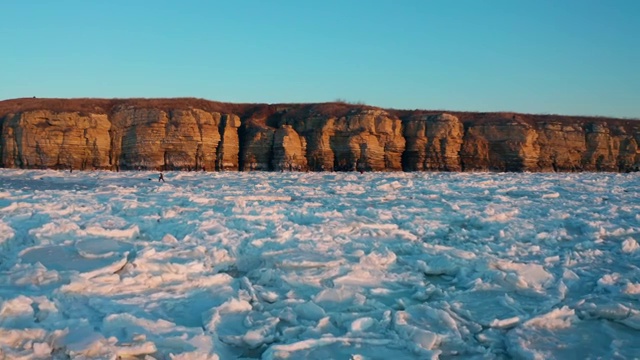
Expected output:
(538, 56)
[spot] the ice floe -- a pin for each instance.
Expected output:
(101, 265)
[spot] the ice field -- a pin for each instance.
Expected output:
(237, 265)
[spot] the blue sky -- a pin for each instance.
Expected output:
(540, 56)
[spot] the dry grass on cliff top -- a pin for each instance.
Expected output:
(478, 118)
(334, 109)
(106, 106)
(259, 113)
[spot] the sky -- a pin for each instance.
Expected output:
(574, 57)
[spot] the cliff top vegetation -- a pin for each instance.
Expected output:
(260, 112)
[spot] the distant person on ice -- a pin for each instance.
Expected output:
(161, 178)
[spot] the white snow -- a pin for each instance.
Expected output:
(318, 265)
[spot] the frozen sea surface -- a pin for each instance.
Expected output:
(101, 265)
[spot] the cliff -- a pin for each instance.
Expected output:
(181, 134)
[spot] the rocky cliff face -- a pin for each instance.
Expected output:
(367, 140)
(229, 146)
(500, 146)
(433, 143)
(179, 139)
(289, 150)
(46, 139)
(181, 134)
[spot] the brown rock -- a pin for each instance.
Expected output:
(433, 143)
(150, 138)
(317, 132)
(46, 139)
(561, 147)
(368, 139)
(628, 154)
(602, 148)
(257, 150)
(501, 145)
(229, 147)
(289, 150)
(196, 133)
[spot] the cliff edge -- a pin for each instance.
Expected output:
(181, 134)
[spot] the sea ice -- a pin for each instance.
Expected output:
(318, 265)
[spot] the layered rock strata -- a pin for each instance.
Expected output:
(192, 134)
(46, 139)
(500, 146)
(433, 143)
(367, 140)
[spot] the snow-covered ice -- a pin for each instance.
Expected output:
(100, 265)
